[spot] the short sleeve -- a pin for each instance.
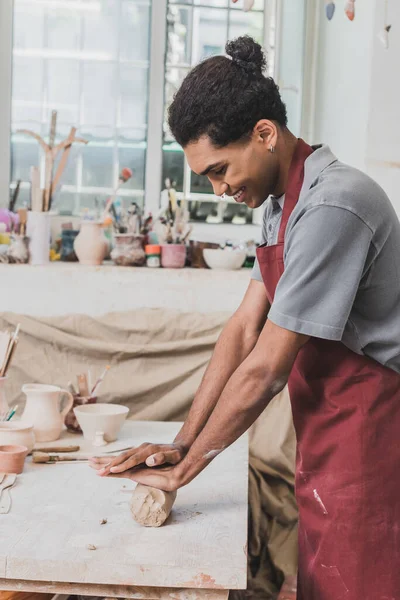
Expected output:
(325, 257)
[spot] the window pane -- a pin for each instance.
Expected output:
(101, 30)
(135, 31)
(133, 157)
(63, 29)
(99, 85)
(250, 23)
(133, 96)
(98, 164)
(28, 26)
(173, 165)
(24, 154)
(27, 89)
(179, 40)
(63, 90)
(210, 27)
(223, 3)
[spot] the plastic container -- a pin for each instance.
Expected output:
(153, 255)
(173, 256)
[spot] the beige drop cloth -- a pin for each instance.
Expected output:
(158, 358)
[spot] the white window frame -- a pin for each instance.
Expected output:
(153, 168)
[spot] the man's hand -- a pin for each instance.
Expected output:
(150, 455)
(164, 478)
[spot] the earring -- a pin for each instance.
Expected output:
(272, 149)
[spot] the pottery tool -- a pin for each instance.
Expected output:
(100, 379)
(45, 457)
(23, 218)
(6, 358)
(36, 192)
(5, 496)
(58, 449)
(83, 385)
(12, 413)
(14, 197)
(51, 154)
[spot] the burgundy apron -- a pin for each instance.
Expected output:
(346, 412)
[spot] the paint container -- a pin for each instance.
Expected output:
(153, 255)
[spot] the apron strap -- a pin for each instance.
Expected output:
(295, 183)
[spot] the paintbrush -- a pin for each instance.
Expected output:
(100, 379)
(12, 413)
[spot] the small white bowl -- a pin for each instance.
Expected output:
(227, 259)
(105, 418)
(17, 433)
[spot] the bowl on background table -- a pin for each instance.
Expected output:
(17, 433)
(105, 418)
(224, 259)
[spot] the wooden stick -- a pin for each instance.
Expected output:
(36, 196)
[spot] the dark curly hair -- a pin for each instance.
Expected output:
(224, 98)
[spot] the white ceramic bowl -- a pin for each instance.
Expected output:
(224, 259)
(17, 433)
(105, 418)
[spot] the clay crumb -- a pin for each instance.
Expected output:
(91, 547)
(103, 522)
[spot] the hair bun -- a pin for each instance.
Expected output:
(247, 54)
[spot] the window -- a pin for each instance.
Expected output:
(197, 29)
(110, 68)
(89, 61)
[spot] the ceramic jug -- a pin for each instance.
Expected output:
(90, 245)
(43, 410)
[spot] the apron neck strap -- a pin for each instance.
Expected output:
(295, 183)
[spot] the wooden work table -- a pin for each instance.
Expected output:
(56, 514)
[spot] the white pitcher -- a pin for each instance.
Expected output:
(43, 410)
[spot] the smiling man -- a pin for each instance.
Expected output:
(322, 313)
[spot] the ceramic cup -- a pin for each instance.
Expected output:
(12, 459)
(17, 433)
(105, 418)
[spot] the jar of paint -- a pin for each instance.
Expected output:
(153, 255)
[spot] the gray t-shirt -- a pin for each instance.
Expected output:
(342, 262)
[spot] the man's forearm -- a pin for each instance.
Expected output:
(234, 345)
(247, 393)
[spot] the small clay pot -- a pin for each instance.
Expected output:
(12, 459)
(173, 256)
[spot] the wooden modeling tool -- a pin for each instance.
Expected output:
(51, 153)
(5, 496)
(83, 385)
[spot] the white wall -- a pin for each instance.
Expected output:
(343, 81)
(383, 140)
(5, 97)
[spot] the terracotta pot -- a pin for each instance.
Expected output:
(71, 421)
(173, 256)
(12, 459)
(90, 245)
